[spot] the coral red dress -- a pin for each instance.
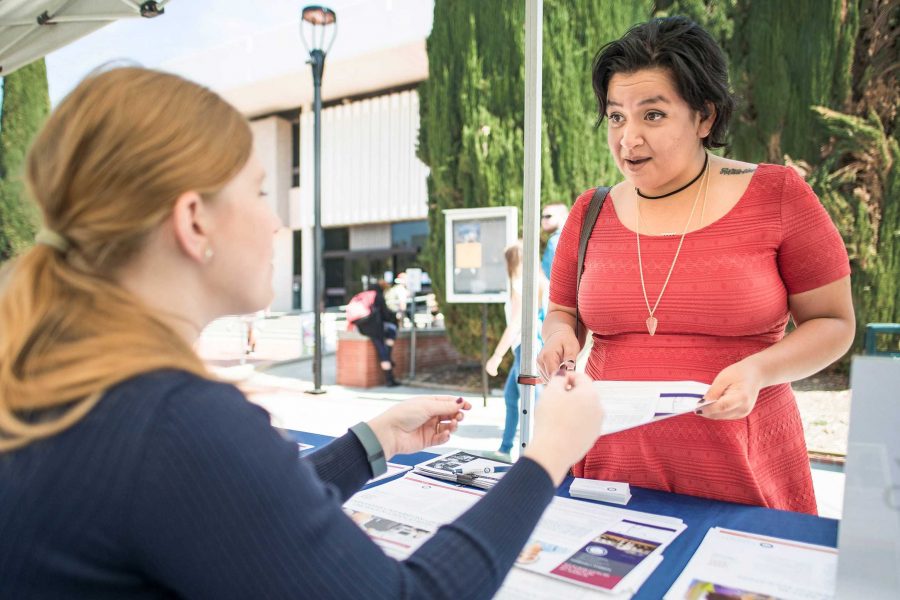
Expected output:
(727, 299)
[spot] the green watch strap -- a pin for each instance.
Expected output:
(370, 443)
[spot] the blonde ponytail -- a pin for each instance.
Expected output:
(105, 171)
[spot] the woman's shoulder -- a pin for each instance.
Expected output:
(579, 208)
(166, 381)
(153, 390)
(183, 401)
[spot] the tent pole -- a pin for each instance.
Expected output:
(531, 204)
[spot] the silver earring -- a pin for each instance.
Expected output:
(208, 254)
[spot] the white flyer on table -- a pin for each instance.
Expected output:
(598, 547)
(628, 404)
(401, 515)
(525, 585)
(735, 564)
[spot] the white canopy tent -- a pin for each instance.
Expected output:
(30, 29)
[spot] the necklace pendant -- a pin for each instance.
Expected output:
(651, 324)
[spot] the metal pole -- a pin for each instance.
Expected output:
(484, 377)
(534, 10)
(412, 340)
(317, 60)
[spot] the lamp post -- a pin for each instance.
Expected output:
(322, 27)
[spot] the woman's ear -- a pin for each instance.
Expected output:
(191, 224)
(707, 120)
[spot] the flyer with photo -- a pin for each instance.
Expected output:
(599, 547)
(606, 560)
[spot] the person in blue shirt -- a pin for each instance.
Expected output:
(553, 217)
(127, 470)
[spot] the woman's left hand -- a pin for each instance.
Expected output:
(734, 392)
(418, 423)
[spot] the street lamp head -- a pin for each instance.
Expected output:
(320, 29)
(318, 15)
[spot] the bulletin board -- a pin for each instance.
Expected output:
(475, 241)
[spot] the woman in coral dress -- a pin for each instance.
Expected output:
(692, 271)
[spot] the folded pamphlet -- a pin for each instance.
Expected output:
(464, 468)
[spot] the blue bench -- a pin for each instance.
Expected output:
(873, 330)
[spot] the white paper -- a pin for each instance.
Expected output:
(756, 567)
(628, 404)
(401, 515)
(597, 546)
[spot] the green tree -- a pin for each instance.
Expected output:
(780, 70)
(26, 103)
(857, 173)
(472, 116)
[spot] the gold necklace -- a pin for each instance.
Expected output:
(653, 322)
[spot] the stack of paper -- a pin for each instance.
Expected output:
(615, 492)
(602, 548)
(736, 564)
(578, 550)
(465, 468)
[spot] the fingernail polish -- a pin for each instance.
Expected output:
(459, 400)
(699, 411)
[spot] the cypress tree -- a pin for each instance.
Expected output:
(472, 115)
(780, 72)
(26, 103)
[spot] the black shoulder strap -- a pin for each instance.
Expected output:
(587, 227)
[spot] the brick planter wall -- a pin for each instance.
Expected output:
(357, 361)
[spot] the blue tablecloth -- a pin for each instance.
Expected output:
(699, 514)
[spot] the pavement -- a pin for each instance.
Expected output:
(278, 376)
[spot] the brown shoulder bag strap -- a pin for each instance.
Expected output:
(587, 227)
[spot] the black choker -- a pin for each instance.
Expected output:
(682, 188)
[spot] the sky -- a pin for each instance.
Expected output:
(197, 27)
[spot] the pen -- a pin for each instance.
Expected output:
(482, 470)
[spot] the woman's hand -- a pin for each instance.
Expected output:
(418, 423)
(559, 346)
(734, 392)
(567, 422)
(492, 364)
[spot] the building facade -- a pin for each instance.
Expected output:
(374, 198)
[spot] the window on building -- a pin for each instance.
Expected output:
(336, 238)
(409, 234)
(295, 154)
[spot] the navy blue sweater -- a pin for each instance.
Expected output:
(177, 487)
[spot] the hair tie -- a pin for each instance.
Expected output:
(48, 237)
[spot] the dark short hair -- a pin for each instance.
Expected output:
(684, 49)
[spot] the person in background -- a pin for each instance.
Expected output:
(397, 297)
(553, 219)
(510, 339)
(251, 330)
(127, 469)
(693, 269)
(381, 327)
